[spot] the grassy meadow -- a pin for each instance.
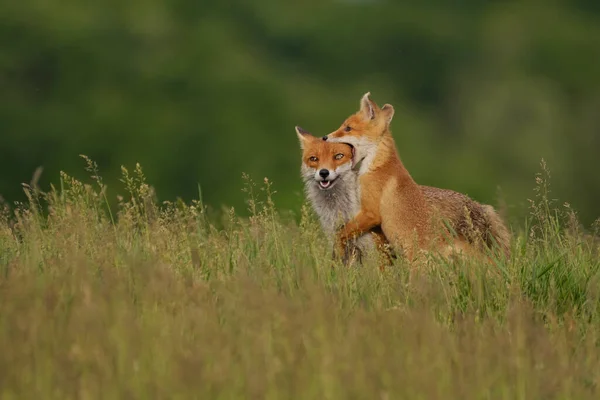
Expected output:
(166, 300)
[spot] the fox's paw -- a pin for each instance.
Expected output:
(352, 253)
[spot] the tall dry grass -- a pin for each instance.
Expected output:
(155, 301)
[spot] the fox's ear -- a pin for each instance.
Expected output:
(304, 136)
(367, 107)
(387, 112)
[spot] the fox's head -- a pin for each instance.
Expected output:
(323, 162)
(364, 128)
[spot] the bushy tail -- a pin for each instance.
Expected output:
(498, 234)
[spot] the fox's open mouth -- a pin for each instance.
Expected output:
(354, 160)
(352, 148)
(326, 184)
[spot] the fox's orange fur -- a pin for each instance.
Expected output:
(411, 216)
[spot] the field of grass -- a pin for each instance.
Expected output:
(164, 301)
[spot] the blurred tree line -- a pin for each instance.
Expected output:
(198, 92)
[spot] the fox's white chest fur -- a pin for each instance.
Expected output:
(338, 205)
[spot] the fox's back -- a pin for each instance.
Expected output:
(469, 219)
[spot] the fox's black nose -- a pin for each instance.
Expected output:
(324, 173)
(324, 138)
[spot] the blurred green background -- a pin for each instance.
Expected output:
(199, 92)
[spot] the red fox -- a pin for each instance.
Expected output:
(331, 186)
(413, 218)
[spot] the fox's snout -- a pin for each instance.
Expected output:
(339, 136)
(324, 173)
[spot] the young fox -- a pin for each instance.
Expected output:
(332, 188)
(412, 217)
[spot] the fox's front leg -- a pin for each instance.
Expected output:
(360, 224)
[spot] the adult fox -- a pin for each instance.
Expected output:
(332, 188)
(413, 218)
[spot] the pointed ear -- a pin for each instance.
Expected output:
(367, 107)
(387, 111)
(304, 136)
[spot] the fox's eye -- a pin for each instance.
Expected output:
(313, 159)
(348, 129)
(339, 156)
